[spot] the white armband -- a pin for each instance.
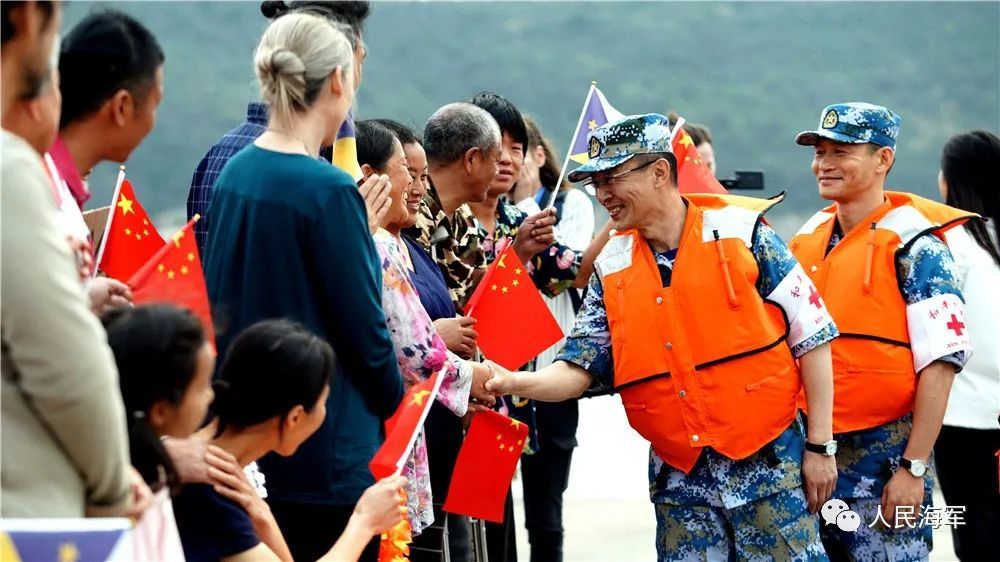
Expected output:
(803, 305)
(937, 329)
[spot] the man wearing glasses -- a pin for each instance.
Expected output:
(696, 315)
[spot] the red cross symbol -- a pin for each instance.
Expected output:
(813, 297)
(955, 325)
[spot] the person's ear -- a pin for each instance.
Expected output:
(367, 170)
(122, 107)
(34, 109)
(336, 82)
(159, 415)
(539, 156)
(472, 159)
(661, 172)
(886, 157)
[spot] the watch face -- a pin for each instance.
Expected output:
(831, 448)
(918, 468)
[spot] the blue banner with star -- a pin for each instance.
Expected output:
(65, 540)
(596, 112)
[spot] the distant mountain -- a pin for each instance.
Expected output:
(756, 73)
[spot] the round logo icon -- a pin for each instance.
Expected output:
(595, 147)
(830, 120)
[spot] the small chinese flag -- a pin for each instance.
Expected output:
(402, 428)
(173, 275)
(131, 239)
(512, 320)
(693, 175)
(485, 466)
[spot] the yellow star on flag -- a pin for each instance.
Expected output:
(145, 222)
(68, 552)
(515, 424)
(419, 396)
(190, 256)
(592, 124)
(171, 274)
(510, 449)
(499, 437)
(517, 271)
(503, 290)
(184, 270)
(138, 236)
(502, 264)
(494, 287)
(177, 238)
(145, 232)
(160, 268)
(502, 446)
(686, 140)
(125, 204)
(515, 283)
(128, 232)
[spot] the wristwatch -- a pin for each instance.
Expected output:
(827, 449)
(916, 467)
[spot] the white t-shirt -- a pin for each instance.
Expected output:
(975, 394)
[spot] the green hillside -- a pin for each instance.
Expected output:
(756, 73)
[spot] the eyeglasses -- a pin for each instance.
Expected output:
(592, 186)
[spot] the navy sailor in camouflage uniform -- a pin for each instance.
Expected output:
(699, 315)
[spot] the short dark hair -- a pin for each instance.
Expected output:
(106, 52)
(271, 367)
(7, 30)
(405, 134)
(969, 166)
(352, 14)
(375, 143)
(506, 114)
(456, 128)
(156, 350)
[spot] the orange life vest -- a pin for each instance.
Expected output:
(702, 362)
(874, 375)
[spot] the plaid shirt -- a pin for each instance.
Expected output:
(208, 170)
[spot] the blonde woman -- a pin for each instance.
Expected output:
(290, 239)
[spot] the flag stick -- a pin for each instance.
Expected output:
(569, 151)
(111, 218)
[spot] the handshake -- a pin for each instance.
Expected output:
(489, 382)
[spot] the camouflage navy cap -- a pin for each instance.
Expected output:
(615, 143)
(854, 123)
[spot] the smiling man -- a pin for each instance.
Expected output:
(892, 287)
(696, 315)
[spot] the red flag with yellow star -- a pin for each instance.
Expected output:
(512, 320)
(485, 466)
(174, 276)
(402, 428)
(693, 175)
(131, 238)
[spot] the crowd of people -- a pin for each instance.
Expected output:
(768, 377)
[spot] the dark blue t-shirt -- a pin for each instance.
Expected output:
(211, 527)
(429, 283)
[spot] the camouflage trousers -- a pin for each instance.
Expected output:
(777, 527)
(876, 543)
